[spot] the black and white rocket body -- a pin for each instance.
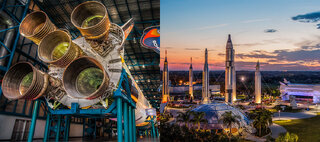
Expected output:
(205, 81)
(230, 73)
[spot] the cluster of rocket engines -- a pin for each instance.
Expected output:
(230, 78)
(85, 70)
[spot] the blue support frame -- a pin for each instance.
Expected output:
(134, 126)
(119, 119)
(47, 131)
(34, 120)
(130, 124)
(125, 121)
(123, 108)
(153, 129)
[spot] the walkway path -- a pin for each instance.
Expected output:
(276, 130)
(254, 138)
(290, 116)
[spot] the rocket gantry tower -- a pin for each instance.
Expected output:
(165, 81)
(230, 73)
(191, 80)
(205, 81)
(258, 84)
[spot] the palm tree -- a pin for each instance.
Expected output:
(184, 117)
(262, 120)
(198, 117)
(228, 119)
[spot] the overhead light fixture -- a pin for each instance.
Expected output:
(134, 40)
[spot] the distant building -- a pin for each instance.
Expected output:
(301, 92)
(213, 89)
(213, 114)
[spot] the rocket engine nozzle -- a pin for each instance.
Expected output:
(85, 78)
(23, 81)
(58, 49)
(35, 26)
(91, 19)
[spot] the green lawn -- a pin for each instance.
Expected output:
(307, 129)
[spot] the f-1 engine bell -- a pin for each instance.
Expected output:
(35, 26)
(58, 49)
(91, 19)
(85, 78)
(23, 81)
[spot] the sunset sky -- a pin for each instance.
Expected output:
(282, 34)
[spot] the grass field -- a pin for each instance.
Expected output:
(307, 129)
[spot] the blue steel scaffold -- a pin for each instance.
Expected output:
(122, 108)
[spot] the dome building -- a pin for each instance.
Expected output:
(213, 114)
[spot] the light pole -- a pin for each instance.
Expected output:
(279, 114)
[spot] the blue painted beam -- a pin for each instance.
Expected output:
(119, 119)
(134, 126)
(46, 132)
(34, 120)
(125, 121)
(58, 125)
(130, 124)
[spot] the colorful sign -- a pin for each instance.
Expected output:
(151, 38)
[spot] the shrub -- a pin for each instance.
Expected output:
(287, 137)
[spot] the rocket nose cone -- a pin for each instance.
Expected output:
(229, 38)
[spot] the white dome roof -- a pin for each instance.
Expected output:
(214, 111)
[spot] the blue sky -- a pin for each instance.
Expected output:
(261, 30)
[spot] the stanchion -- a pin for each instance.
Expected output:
(119, 119)
(58, 128)
(46, 132)
(134, 126)
(34, 120)
(125, 121)
(130, 124)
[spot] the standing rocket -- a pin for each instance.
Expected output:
(205, 81)
(191, 82)
(165, 81)
(258, 84)
(230, 74)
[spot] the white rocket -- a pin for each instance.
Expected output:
(165, 81)
(191, 81)
(258, 84)
(205, 81)
(230, 74)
